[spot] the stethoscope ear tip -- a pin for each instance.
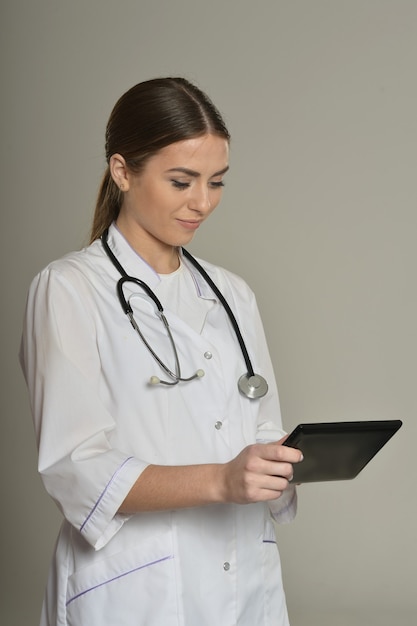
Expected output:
(154, 380)
(200, 373)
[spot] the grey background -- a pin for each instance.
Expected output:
(319, 216)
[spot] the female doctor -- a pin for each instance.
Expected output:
(164, 455)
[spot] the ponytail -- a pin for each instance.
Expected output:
(107, 206)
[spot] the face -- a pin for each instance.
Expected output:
(178, 189)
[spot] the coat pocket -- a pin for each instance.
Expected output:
(133, 587)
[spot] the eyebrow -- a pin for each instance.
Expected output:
(194, 174)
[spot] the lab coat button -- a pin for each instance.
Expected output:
(208, 355)
(218, 425)
(226, 566)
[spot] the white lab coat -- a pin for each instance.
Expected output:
(99, 424)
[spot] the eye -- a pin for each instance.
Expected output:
(178, 184)
(217, 184)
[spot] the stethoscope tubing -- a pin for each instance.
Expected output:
(232, 318)
(250, 384)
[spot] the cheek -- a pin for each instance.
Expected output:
(153, 208)
(165, 200)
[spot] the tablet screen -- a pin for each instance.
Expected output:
(338, 450)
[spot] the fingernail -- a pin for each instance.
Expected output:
(301, 457)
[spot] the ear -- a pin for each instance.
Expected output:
(119, 171)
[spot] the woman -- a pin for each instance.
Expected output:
(167, 475)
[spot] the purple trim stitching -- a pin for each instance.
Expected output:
(103, 493)
(106, 582)
(197, 286)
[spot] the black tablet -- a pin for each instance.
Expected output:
(338, 450)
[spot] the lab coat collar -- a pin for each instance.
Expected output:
(203, 288)
(130, 260)
(135, 265)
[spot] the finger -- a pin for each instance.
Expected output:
(282, 441)
(270, 487)
(283, 470)
(294, 451)
(278, 452)
(276, 484)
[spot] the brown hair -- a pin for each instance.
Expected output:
(147, 118)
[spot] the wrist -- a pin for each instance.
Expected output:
(220, 483)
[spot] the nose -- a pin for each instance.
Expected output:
(199, 199)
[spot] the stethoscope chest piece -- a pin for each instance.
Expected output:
(253, 386)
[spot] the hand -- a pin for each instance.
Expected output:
(260, 472)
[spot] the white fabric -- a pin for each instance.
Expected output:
(99, 424)
(179, 291)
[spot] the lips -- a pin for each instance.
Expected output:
(189, 224)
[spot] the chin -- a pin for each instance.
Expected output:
(184, 240)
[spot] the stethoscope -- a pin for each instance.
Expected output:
(250, 384)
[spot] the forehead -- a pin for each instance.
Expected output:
(208, 152)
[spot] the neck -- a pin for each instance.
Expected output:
(164, 259)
